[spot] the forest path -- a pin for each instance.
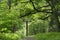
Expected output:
(29, 38)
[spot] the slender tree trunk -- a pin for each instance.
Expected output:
(26, 28)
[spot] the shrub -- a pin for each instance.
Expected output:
(9, 36)
(37, 27)
(48, 36)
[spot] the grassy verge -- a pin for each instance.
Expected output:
(48, 36)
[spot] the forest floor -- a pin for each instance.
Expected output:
(29, 38)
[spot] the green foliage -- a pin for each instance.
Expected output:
(9, 36)
(48, 36)
(9, 19)
(39, 26)
(11, 10)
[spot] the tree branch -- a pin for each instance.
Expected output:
(34, 6)
(45, 17)
(33, 12)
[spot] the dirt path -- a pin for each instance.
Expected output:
(29, 38)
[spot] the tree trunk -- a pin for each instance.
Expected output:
(54, 13)
(26, 28)
(57, 22)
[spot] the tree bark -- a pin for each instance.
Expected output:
(26, 28)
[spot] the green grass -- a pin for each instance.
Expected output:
(48, 36)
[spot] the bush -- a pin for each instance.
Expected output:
(37, 27)
(48, 36)
(9, 36)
